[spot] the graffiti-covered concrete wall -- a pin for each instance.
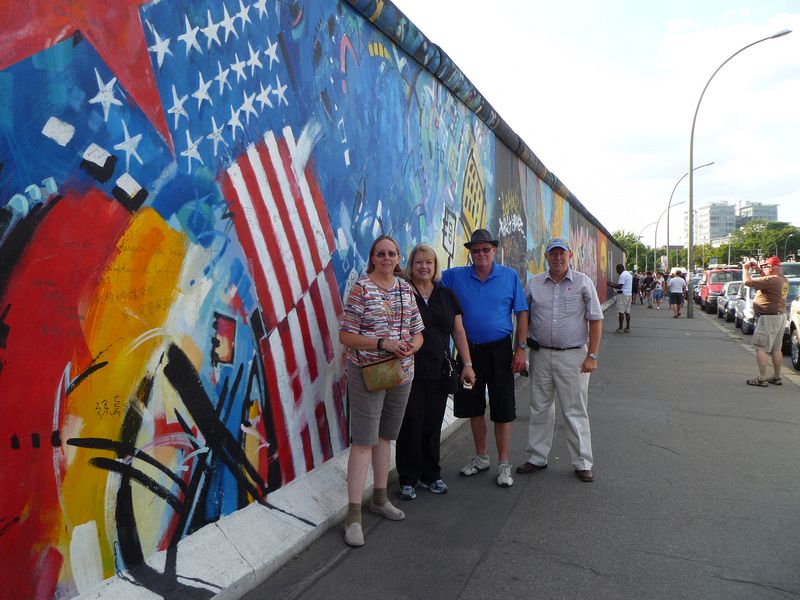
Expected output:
(187, 189)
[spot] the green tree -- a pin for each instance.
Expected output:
(632, 246)
(766, 238)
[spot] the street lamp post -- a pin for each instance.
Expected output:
(636, 260)
(784, 245)
(690, 241)
(669, 204)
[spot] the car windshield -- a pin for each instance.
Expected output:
(790, 269)
(725, 276)
(794, 290)
(733, 288)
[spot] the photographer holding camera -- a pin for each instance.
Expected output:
(769, 307)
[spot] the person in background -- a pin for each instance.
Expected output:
(647, 288)
(624, 287)
(658, 289)
(490, 294)
(418, 443)
(566, 322)
(381, 320)
(769, 306)
(635, 288)
(677, 288)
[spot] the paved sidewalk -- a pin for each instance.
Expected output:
(696, 495)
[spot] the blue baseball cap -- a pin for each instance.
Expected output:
(558, 243)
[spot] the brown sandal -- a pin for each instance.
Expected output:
(775, 380)
(758, 382)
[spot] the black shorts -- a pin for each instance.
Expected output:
(492, 365)
(676, 298)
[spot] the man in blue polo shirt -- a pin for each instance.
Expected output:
(489, 294)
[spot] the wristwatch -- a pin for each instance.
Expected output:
(594, 355)
(522, 345)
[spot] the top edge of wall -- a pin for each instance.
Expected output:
(391, 21)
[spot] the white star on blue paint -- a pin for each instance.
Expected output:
(189, 37)
(280, 91)
(105, 95)
(191, 152)
(161, 47)
(128, 146)
(177, 107)
(210, 31)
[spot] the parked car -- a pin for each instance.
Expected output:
(794, 332)
(790, 269)
(745, 317)
(794, 294)
(714, 280)
(726, 306)
(698, 281)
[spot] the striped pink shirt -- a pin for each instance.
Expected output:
(374, 312)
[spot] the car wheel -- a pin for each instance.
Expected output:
(796, 350)
(746, 328)
(709, 308)
(737, 322)
(729, 317)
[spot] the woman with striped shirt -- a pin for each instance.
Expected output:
(381, 319)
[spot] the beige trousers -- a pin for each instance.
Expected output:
(557, 376)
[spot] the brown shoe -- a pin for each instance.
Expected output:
(585, 476)
(528, 467)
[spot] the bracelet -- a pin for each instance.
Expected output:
(380, 343)
(467, 364)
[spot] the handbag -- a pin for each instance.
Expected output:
(451, 374)
(383, 374)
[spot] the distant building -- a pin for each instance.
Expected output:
(712, 221)
(747, 211)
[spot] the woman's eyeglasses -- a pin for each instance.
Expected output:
(481, 250)
(385, 253)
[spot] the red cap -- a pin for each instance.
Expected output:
(773, 261)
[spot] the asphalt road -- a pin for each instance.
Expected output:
(696, 495)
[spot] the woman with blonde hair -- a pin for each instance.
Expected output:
(381, 321)
(419, 439)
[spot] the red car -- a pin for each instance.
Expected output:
(712, 284)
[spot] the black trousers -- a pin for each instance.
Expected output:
(417, 454)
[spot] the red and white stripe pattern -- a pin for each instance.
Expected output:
(282, 223)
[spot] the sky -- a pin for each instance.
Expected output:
(604, 92)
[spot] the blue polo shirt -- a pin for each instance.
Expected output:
(487, 305)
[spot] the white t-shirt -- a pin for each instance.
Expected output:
(626, 279)
(677, 285)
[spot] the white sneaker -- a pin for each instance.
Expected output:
(504, 475)
(475, 465)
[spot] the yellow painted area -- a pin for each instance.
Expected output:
(131, 301)
(603, 255)
(378, 11)
(557, 222)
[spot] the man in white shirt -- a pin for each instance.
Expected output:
(624, 287)
(677, 288)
